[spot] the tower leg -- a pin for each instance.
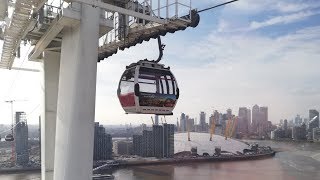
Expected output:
(50, 81)
(76, 98)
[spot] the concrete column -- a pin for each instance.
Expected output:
(50, 81)
(76, 98)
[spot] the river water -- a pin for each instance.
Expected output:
(295, 161)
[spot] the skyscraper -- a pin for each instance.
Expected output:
(21, 141)
(242, 126)
(229, 114)
(264, 113)
(183, 125)
(203, 121)
(102, 143)
(255, 118)
(313, 123)
(216, 117)
(249, 117)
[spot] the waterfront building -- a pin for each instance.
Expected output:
(158, 140)
(102, 144)
(123, 147)
(21, 139)
(168, 140)
(137, 145)
(156, 143)
(147, 143)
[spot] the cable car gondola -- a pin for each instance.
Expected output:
(147, 87)
(9, 137)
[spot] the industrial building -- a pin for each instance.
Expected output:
(21, 139)
(102, 143)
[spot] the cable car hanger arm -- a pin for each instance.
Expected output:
(161, 48)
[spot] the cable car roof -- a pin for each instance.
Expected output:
(148, 64)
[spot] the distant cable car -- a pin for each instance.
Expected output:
(9, 137)
(147, 87)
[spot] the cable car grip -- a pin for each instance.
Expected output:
(161, 48)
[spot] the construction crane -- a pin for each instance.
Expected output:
(212, 129)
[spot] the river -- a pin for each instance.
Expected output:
(295, 161)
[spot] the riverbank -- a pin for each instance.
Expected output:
(19, 170)
(172, 161)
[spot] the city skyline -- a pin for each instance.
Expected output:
(214, 64)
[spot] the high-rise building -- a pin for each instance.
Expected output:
(190, 123)
(211, 120)
(102, 143)
(285, 125)
(243, 122)
(168, 138)
(158, 140)
(216, 117)
(137, 145)
(203, 121)
(297, 120)
(148, 143)
(313, 123)
(183, 124)
(255, 118)
(229, 114)
(264, 113)
(122, 147)
(249, 117)
(21, 139)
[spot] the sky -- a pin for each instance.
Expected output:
(250, 52)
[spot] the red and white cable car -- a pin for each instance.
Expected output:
(147, 87)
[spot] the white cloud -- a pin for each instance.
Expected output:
(285, 19)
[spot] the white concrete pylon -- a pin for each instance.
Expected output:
(76, 98)
(50, 81)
